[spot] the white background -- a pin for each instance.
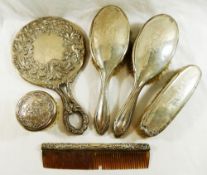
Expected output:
(180, 149)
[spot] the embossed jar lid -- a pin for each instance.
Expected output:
(36, 110)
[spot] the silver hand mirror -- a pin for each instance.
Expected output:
(109, 38)
(49, 52)
(152, 51)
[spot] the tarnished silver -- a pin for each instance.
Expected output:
(36, 110)
(96, 146)
(170, 100)
(152, 51)
(109, 38)
(49, 52)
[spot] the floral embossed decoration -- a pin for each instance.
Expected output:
(57, 70)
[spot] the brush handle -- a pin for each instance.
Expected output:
(71, 107)
(124, 117)
(102, 116)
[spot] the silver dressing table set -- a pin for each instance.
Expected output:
(50, 52)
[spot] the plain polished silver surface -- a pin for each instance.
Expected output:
(170, 100)
(36, 110)
(152, 51)
(109, 39)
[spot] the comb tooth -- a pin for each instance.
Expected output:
(99, 157)
(138, 163)
(115, 160)
(127, 162)
(145, 161)
(124, 165)
(94, 159)
(103, 160)
(98, 160)
(109, 163)
(110, 159)
(123, 161)
(118, 157)
(141, 163)
(120, 164)
(107, 160)
(133, 162)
